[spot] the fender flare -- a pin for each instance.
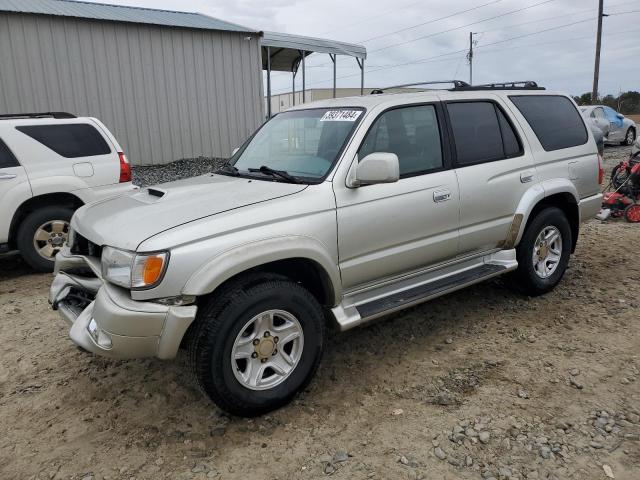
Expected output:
(530, 199)
(239, 259)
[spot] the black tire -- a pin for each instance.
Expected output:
(28, 228)
(526, 280)
(628, 142)
(220, 320)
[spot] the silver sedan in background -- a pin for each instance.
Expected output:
(616, 127)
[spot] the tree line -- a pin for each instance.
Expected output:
(627, 103)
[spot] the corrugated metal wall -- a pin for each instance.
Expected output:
(166, 93)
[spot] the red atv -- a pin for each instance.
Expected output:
(625, 198)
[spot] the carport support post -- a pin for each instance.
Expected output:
(268, 82)
(303, 53)
(332, 56)
(361, 65)
(293, 81)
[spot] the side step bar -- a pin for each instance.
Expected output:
(360, 307)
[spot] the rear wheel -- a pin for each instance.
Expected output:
(543, 253)
(632, 213)
(256, 344)
(42, 234)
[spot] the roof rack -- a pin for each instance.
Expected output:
(37, 115)
(517, 85)
(456, 84)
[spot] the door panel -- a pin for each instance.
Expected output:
(493, 168)
(489, 196)
(390, 229)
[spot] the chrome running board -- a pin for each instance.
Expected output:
(362, 306)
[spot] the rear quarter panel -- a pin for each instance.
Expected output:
(576, 165)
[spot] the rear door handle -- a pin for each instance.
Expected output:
(526, 177)
(441, 196)
(7, 176)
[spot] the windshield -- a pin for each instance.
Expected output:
(302, 143)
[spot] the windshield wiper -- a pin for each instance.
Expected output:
(275, 173)
(227, 168)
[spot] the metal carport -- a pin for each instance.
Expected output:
(284, 52)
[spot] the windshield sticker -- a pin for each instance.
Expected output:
(341, 116)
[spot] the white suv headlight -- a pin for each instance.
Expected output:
(132, 270)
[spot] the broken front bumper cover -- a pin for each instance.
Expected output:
(107, 321)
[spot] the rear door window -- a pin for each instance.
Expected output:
(412, 133)
(7, 158)
(71, 140)
(482, 133)
(554, 119)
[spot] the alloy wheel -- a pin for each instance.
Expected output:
(267, 349)
(547, 251)
(50, 237)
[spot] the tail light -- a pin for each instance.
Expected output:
(600, 170)
(125, 168)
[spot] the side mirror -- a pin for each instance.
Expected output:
(377, 167)
(620, 116)
(235, 150)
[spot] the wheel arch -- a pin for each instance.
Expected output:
(62, 199)
(302, 259)
(561, 194)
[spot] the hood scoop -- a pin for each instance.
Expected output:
(155, 192)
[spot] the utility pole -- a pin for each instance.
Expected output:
(470, 57)
(596, 69)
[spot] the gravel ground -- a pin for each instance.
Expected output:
(479, 384)
(152, 175)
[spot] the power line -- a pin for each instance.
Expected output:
(461, 26)
(561, 16)
(425, 23)
(417, 25)
(368, 19)
(426, 59)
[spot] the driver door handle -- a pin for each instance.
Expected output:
(7, 176)
(441, 196)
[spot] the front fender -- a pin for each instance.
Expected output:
(227, 264)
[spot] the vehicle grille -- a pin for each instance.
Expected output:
(83, 246)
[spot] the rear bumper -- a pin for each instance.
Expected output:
(589, 207)
(109, 322)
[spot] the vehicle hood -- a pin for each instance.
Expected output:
(126, 221)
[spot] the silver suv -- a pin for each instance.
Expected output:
(340, 211)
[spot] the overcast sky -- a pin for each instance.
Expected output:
(560, 58)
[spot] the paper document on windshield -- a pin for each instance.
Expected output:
(341, 116)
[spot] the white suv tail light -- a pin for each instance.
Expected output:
(125, 168)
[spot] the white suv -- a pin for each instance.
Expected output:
(51, 164)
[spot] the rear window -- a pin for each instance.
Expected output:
(482, 133)
(7, 159)
(554, 119)
(71, 140)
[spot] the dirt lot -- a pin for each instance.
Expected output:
(482, 383)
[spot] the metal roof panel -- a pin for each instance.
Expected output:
(120, 13)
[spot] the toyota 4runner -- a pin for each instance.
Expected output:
(339, 211)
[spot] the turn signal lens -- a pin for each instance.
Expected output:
(148, 269)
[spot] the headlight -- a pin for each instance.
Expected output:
(131, 270)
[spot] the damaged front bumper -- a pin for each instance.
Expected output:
(106, 321)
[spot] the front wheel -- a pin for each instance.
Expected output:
(543, 253)
(256, 344)
(42, 234)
